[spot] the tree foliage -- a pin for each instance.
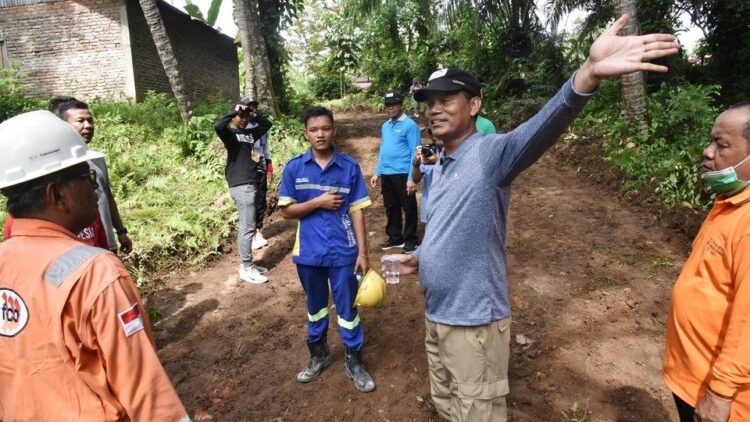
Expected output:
(195, 11)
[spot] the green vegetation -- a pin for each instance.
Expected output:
(13, 98)
(574, 414)
(668, 157)
(356, 101)
(168, 177)
(521, 63)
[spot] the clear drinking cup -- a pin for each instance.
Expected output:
(391, 267)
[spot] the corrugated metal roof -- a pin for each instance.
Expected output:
(10, 3)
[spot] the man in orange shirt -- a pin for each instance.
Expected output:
(76, 340)
(707, 358)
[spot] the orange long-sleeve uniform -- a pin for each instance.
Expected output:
(75, 339)
(708, 330)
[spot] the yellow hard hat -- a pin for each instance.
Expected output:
(371, 292)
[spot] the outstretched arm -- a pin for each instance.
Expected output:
(612, 55)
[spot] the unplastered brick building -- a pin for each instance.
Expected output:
(103, 48)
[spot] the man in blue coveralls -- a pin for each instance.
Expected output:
(326, 191)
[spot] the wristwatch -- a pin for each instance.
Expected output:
(416, 162)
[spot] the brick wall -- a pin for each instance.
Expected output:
(67, 47)
(207, 60)
(83, 48)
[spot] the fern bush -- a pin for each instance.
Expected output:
(668, 157)
(167, 177)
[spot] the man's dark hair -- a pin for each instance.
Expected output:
(316, 111)
(59, 105)
(26, 199)
(746, 130)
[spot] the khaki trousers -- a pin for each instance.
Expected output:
(469, 370)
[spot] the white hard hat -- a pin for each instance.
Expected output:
(36, 144)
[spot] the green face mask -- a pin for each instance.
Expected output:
(725, 182)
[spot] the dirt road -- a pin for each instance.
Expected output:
(590, 278)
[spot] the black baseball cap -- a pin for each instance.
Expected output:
(393, 97)
(449, 80)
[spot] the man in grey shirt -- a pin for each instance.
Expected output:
(467, 308)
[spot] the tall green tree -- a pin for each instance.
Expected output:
(726, 45)
(633, 85)
(257, 66)
(167, 56)
(259, 23)
(277, 16)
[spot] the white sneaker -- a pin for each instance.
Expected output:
(259, 241)
(252, 275)
(260, 269)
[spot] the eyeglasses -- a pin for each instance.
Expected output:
(89, 175)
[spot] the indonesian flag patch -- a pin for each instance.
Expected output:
(131, 320)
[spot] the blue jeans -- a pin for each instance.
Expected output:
(244, 199)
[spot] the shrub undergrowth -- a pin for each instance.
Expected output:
(668, 157)
(168, 177)
(356, 101)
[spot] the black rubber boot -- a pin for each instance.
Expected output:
(320, 359)
(355, 370)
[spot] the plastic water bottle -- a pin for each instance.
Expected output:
(391, 268)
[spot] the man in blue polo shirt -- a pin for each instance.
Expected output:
(399, 138)
(326, 191)
(462, 260)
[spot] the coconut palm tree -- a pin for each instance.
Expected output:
(167, 56)
(634, 84)
(601, 11)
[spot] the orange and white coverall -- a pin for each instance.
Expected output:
(75, 340)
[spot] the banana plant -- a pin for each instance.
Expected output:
(195, 12)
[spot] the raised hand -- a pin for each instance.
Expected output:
(613, 55)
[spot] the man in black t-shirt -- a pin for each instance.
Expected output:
(243, 178)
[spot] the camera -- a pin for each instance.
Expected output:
(428, 150)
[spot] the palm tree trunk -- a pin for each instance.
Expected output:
(634, 84)
(167, 56)
(240, 19)
(257, 65)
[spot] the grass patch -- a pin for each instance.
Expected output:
(657, 260)
(168, 179)
(574, 414)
